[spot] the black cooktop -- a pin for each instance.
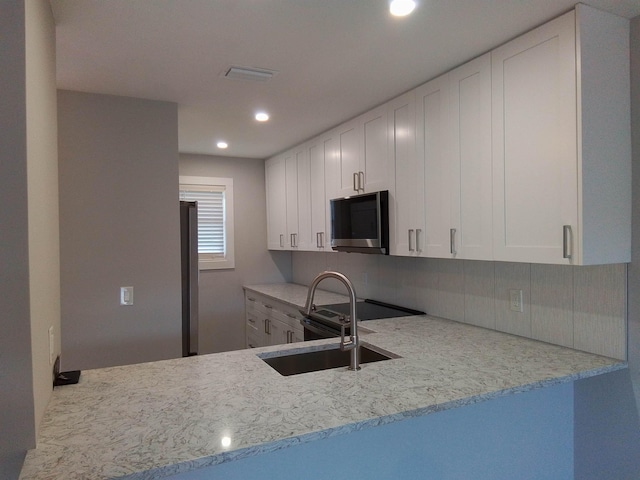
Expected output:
(367, 310)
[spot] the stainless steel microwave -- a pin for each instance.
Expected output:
(360, 223)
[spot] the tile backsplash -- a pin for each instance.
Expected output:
(578, 307)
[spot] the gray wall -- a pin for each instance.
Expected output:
(42, 174)
(16, 378)
(634, 267)
(29, 259)
(221, 296)
(119, 226)
(606, 428)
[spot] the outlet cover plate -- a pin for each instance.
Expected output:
(515, 300)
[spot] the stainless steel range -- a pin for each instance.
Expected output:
(325, 321)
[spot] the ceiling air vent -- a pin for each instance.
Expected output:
(249, 73)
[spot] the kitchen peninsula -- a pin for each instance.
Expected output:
(188, 417)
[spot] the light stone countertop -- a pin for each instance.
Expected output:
(156, 419)
(296, 295)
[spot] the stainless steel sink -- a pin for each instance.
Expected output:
(304, 362)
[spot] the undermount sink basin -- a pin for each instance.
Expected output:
(304, 362)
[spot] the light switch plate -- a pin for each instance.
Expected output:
(126, 295)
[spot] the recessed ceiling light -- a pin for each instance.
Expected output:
(401, 8)
(222, 145)
(262, 116)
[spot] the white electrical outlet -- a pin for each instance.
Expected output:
(515, 300)
(51, 346)
(126, 295)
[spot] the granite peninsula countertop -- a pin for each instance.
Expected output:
(156, 419)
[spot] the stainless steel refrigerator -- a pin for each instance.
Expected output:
(190, 272)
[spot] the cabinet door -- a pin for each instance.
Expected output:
(291, 192)
(349, 158)
(331, 145)
(254, 334)
(277, 332)
(408, 205)
(534, 139)
(432, 140)
(304, 239)
(376, 171)
(471, 175)
(318, 197)
(276, 203)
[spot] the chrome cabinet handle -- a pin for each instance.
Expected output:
(251, 299)
(567, 241)
(251, 320)
(294, 240)
(418, 232)
(356, 180)
(452, 241)
(361, 181)
(267, 326)
(266, 305)
(320, 239)
(282, 240)
(410, 235)
(289, 336)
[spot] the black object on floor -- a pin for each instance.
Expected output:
(67, 378)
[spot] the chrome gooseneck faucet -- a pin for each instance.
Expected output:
(353, 343)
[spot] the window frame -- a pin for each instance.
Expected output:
(227, 261)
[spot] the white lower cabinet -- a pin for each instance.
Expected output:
(270, 322)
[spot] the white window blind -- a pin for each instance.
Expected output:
(215, 219)
(211, 237)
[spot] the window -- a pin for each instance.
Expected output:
(215, 219)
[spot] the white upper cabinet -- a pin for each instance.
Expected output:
(348, 162)
(320, 151)
(561, 142)
(276, 203)
(450, 178)
(407, 216)
(521, 155)
(363, 163)
(304, 238)
(433, 136)
(375, 161)
(291, 192)
(471, 228)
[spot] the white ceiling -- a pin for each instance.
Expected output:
(334, 58)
